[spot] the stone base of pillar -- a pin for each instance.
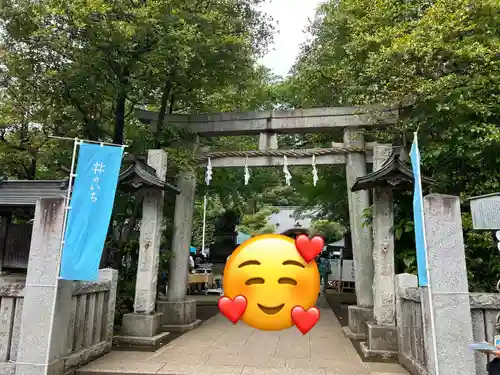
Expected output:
(358, 317)
(382, 342)
(178, 316)
(54, 368)
(142, 330)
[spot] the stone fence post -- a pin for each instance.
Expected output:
(447, 320)
(110, 275)
(402, 282)
(43, 335)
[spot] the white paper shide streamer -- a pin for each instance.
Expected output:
(314, 171)
(247, 172)
(208, 173)
(288, 176)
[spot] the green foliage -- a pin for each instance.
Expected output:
(80, 68)
(256, 223)
(437, 61)
(367, 217)
(406, 261)
(331, 231)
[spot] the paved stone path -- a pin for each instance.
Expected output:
(218, 347)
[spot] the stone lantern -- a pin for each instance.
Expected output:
(143, 327)
(390, 172)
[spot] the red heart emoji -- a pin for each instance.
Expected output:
(309, 248)
(233, 309)
(305, 320)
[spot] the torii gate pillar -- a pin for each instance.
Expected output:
(179, 313)
(362, 241)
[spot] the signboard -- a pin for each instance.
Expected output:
(348, 271)
(336, 267)
(486, 212)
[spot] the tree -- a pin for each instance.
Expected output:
(257, 223)
(93, 63)
(436, 60)
(331, 231)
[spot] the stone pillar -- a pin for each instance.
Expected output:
(448, 289)
(361, 237)
(179, 313)
(383, 245)
(43, 334)
(143, 326)
(150, 238)
(382, 335)
(383, 257)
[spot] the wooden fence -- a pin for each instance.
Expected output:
(90, 332)
(412, 354)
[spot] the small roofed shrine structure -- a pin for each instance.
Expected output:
(390, 172)
(142, 176)
(394, 174)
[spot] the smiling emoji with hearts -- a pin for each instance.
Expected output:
(271, 282)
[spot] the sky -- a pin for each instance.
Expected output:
(292, 17)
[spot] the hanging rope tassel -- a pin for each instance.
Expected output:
(288, 176)
(208, 178)
(314, 171)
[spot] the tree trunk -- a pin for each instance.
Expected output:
(32, 168)
(172, 101)
(121, 101)
(165, 96)
(120, 118)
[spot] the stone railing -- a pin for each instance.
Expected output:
(484, 310)
(412, 353)
(411, 346)
(90, 331)
(11, 308)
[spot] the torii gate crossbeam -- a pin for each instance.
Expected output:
(314, 120)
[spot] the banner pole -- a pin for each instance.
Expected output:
(204, 223)
(87, 141)
(208, 177)
(61, 246)
(427, 269)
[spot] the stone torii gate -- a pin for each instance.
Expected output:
(353, 152)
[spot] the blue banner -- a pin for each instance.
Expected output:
(91, 205)
(418, 215)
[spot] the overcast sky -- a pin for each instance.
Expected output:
(292, 17)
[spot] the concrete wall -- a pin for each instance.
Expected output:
(412, 353)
